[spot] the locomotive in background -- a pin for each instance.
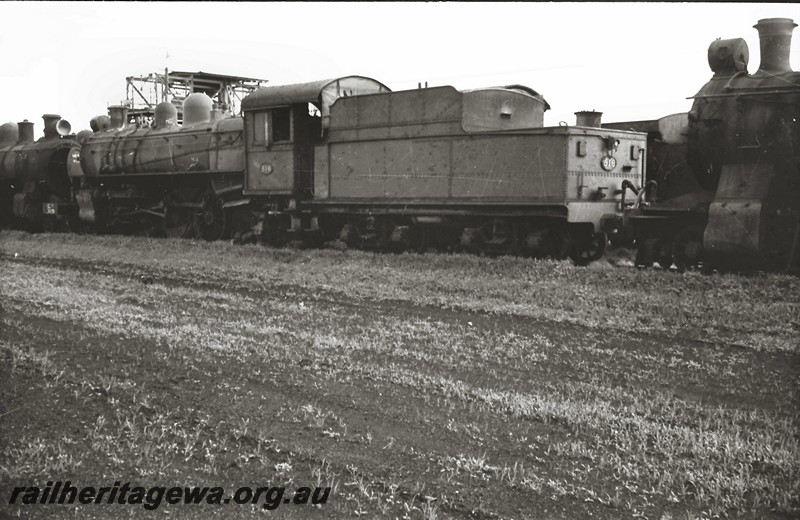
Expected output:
(34, 176)
(725, 178)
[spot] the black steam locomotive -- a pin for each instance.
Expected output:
(35, 178)
(724, 179)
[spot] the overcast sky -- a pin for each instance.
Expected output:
(628, 60)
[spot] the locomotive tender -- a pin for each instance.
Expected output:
(434, 167)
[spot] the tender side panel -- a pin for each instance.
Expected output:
(460, 168)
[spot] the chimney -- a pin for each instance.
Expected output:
(119, 116)
(51, 125)
(588, 118)
(25, 132)
(776, 41)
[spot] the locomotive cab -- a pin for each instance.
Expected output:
(280, 145)
(283, 125)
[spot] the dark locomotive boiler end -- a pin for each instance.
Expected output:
(724, 189)
(34, 179)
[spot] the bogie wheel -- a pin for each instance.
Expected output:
(49, 224)
(209, 222)
(558, 243)
(419, 239)
(687, 248)
(645, 252)
(178, 219)
(585, 251)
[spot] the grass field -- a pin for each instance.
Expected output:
(413, 386)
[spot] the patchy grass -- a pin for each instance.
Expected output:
(761, 311)
(434, 386)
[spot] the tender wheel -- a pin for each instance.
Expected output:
(273, 232)
(209, 222)
(687, 248)
(664, 253)
(590, 249)
(557, 243)
(349, 236)
(419, 240)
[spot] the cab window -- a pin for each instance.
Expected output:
(281, 125)
(260, 127)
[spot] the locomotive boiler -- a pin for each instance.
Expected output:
(728, 172)
(347, 159)
(180, 180)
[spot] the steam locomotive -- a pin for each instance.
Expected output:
(349, 160)
(724, 179)
(34, 176)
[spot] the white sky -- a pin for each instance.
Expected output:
(628, 60)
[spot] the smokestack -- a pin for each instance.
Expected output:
(25, 132)
(51, 127)
(588, 118)
(775, 35)
(119, 116)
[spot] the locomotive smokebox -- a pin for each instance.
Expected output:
(83, 135)
(25, 132)
(588, 118)
(197, 109)
(775, 35)
(118, 115)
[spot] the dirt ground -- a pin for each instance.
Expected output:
(117, 366)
